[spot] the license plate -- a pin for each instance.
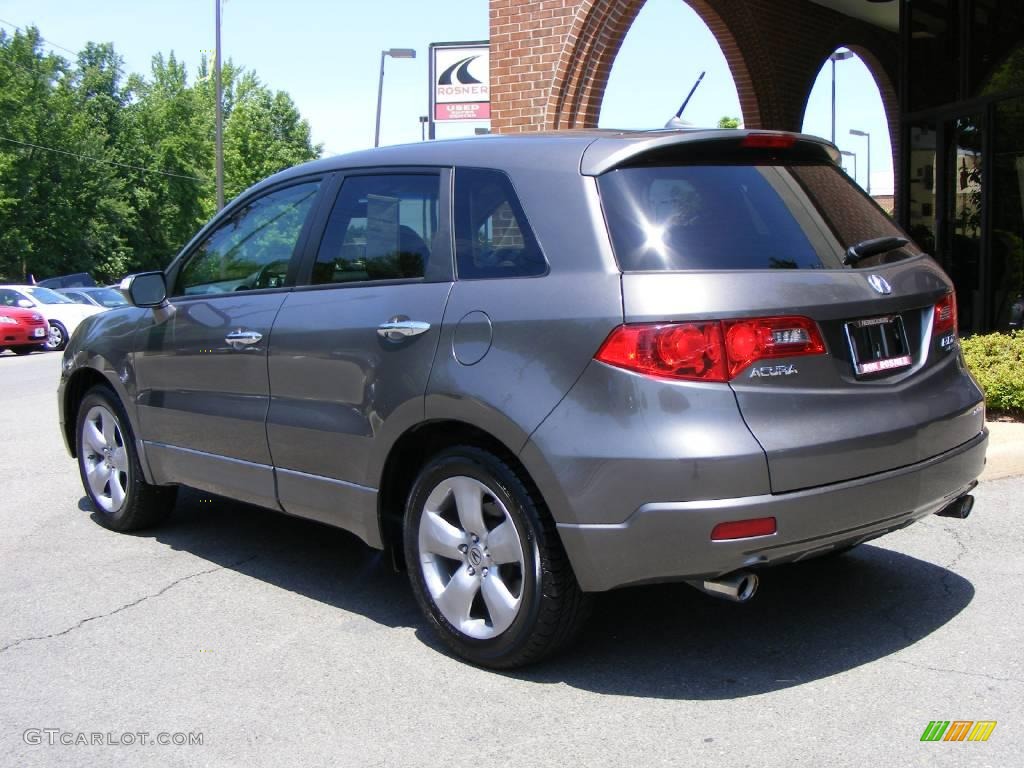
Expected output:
(39, 332)
(878, 344)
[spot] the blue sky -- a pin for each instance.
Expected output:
(326, 55)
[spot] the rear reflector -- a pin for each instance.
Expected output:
(711, 350)
(743, 529)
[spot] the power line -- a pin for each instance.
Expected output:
(43, 39)
(100, 160)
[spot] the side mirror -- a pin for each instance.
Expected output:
(147, 289)
(25, 304)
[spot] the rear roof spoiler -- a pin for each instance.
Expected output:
(607, 154)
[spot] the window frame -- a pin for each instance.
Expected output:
(173, 272)
(439, 269)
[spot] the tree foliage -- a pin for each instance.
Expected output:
(110, 173)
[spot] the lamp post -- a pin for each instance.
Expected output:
(424, 119)
(394, 53)
(844, 153)
(840, 55)
(855, 132)
(219, 132)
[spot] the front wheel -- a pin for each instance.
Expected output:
(486, 564)
(57, 338)
(109, 465)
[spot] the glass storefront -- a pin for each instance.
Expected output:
(963, 157)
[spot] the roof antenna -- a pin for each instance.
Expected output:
(677, 120)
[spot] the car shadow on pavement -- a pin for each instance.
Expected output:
(808, 621)
(313, 560)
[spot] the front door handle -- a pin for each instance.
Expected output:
(240, 339)
(395, 329)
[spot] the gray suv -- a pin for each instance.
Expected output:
(538, 367)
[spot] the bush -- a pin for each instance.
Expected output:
(997, 362)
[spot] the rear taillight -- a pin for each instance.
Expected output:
(945, 315)
(768, 141)
(713, 350)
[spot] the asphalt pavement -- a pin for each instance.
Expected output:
(279, 642)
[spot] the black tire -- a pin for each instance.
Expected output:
(58, 338)
(27, 350)
(550, 610)
(123, 500)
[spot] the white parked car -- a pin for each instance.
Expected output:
(62, 313)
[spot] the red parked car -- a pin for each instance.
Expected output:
(22, 330)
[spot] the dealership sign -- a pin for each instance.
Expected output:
(460, 81)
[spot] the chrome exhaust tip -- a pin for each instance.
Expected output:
(959, 508)
(737, 587)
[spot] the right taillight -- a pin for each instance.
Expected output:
(945, 315)
(712, 350)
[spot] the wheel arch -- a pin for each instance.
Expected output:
(407, 456)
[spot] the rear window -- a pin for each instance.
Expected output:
(681, 217)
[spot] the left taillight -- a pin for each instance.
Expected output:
(712, 350)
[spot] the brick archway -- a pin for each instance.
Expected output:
(589, 49)
(550, 59)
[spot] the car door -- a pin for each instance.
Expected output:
(202, 373)
(352, 347)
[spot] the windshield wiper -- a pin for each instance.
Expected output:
(873, 247)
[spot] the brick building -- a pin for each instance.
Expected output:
(950, 73)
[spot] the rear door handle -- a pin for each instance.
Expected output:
(240, 339)
(395, 329)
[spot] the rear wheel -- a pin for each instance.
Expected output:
(486, 564)
(58, 337)
(109, 465)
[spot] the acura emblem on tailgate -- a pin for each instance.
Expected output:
(880, 284)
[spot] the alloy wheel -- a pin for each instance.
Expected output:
(471, 557)
(104, 458)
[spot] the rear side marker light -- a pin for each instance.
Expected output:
(743, 529)
(712, 350)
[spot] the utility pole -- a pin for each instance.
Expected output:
(220, 114)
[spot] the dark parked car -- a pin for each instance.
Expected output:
(535, 368)
(22, 331)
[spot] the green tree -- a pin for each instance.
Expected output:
(728, 122)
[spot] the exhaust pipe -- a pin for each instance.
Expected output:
(737, 587)
(959, 508)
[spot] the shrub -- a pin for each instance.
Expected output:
(997, 362)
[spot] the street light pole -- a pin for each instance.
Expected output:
(395, 53)
(837, 56)
(218, 87)
(855, 132)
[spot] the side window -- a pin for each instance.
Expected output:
(380, 228)
(8, 298)
(492, 236)
(253, 248)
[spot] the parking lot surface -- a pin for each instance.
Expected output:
(282, 642)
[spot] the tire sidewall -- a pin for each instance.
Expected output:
(104, 397)
(483, 467)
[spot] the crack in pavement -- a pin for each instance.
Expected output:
(126, 606)
(956, 671)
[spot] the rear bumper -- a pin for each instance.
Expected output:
(671, 541)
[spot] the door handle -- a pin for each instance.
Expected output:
(396, 330)
(240, 339)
